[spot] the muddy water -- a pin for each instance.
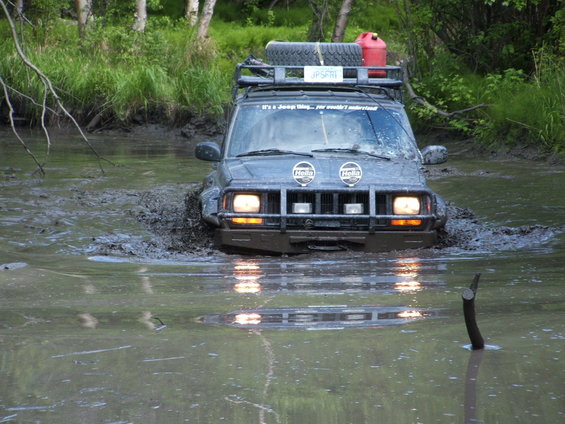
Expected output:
(110, 313)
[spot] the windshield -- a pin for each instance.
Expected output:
(324, 128)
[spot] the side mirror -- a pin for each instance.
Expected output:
(208, 150)
(434, 155)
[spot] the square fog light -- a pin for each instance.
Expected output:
(353, 208)
(302, 208)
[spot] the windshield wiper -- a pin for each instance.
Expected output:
(346, 150)
(268, 152)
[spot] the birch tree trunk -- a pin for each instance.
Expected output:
(207, 12)
(191, 11)
(18, 9)
(140, 15)
(83, 8)
(341, 21)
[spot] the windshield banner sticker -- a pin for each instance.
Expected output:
(303, 173)
(318, 107)
(350, 173)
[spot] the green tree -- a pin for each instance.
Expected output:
(489, 35)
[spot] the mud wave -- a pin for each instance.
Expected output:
(173, 222)
(465, 231)
(176, 228)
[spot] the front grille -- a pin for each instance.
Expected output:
(327, 203)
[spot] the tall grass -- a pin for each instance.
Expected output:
(164, 74)
(526, 110)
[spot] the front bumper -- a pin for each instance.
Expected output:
(304, 241)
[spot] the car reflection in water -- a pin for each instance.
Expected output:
(252, 277)
(333, 317)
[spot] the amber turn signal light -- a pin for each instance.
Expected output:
(406, 222)
(247, 220)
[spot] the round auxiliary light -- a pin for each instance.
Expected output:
(350, 173)
(303, 173)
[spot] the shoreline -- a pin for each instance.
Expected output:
(209, 129)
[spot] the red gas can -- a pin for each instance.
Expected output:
(374, 52)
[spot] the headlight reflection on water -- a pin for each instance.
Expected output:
(410, 314)
(247, 319)
(407, 286)
(408, 271)
(247, 273)
(247, 287)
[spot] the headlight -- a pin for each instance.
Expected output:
(246, 203)
(406, 205)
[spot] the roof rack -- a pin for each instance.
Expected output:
(247, 75)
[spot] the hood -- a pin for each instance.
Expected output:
(278, 170)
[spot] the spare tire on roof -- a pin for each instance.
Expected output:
(313, 54)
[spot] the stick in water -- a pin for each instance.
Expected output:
(468, 296)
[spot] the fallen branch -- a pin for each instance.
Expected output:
(424, 103)
(468, 296)
(48, 89)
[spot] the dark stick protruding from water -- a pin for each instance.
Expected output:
(468, 296)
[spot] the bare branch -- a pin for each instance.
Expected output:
(30, 99)
(48, 88)
(13, 126)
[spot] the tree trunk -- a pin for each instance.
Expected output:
(140, 15)
(207, 12)
(341, 21)
(83, 8)
(18, 11)
(191, 11)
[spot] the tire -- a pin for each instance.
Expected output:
(308, 54)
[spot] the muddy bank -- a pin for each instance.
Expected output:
(462, 145)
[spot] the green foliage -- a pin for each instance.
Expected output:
(167, 74)
(236, 43)
(375, 16)
(253, 12)
(42, 11)
(489, 35)
(526, 110)
(44, 14)
(449, 87)
(120, 11)
(521, 109)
